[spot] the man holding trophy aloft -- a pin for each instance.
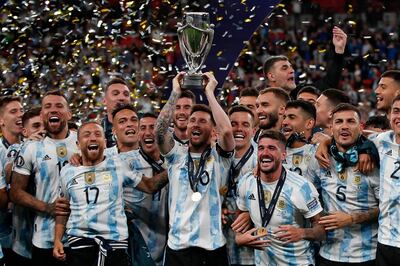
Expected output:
(195, 175)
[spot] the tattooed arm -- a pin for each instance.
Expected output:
(164, 136)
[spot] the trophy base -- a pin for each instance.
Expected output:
(192, 82)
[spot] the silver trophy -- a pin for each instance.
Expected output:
(195, 35)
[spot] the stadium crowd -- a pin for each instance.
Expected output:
(299, 168)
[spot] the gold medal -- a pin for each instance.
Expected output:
(223, 190)
(261, 231)
(196, 196)
(90, 177)
(61, 151)
(267, 196)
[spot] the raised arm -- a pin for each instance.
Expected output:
(223, 125)
(164, 136)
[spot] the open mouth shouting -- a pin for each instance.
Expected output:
(130, 132)
(287, 131)
(93, 147)
(54, 120)
(238, 136)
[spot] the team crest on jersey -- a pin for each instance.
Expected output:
(297, 159)
(267, 196)
(357, 180)
(223, 190)
(342, 176)
(62, 151)
(90, 177)
(281, 204)
(210, 159)
(106, 177)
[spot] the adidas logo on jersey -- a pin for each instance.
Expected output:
(251, 197)
(328, 173)
(46, 158)
(389, 153)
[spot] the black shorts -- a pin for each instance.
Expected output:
(196, 256)
(387, 255)
(324, 262)
(88, 256)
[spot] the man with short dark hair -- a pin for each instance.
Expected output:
(116, 93)
(248, 97)
(388, 88)
(350, 198)
(44, 159)
(377, 124)
(328, 100)
(298, 122)
(270, 105)
(309, 94)
(11, 112)
(279, 202)
(245, 160)
(97, 227)
(196, 173)
(183, 108)
(279, 72)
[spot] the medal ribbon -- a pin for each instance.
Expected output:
(266, 214)
(195, 178)
(157, 167)
(234, 171)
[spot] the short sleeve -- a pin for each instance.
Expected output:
(312, 173)
(62, 189)
(131, 176)
(306, 200)
(23, 163)
(242, 192)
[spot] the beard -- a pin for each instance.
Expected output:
(55, 130)
(272, 169)
(272, 121)
(93, 157)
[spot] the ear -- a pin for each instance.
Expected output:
(271, 76)
(24, 133)
(310, 123)
(2, 121)
(69, 115)
(281, 110)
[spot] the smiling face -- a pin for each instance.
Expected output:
(295, 120)
(91, 142)
(147, 134)
(55, 114)
(242, 126)
(11, 117)
(387, 89)
(268, 110)
(346, 128)
(125, 127)
(183, 108)
(270, 154)
(200, 129)
(395, 117)
(281, 75)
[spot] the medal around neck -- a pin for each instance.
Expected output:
(196, 196)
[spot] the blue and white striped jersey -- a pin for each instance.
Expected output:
(389, 193)
(22, 218)
(297, 202)
(348, 192)
(195, 223)
(5, 222)
(45, 159)
(95, 195)
(150, 210)
(239, 255)
(297, 159)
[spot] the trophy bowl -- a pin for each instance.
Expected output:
(195, 35)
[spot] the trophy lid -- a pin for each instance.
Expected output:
(197, 19)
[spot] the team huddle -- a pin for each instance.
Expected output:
(288, 176)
